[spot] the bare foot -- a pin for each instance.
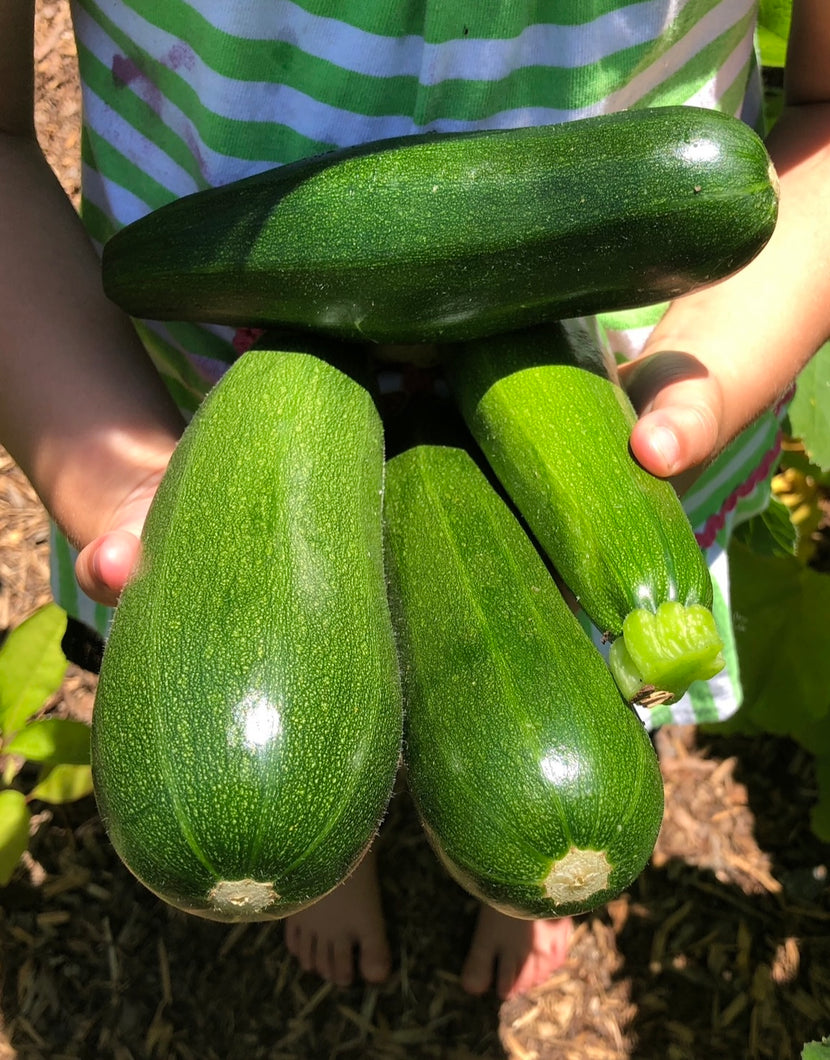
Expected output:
(514, 955)
(348, 923)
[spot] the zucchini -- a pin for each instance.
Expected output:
(536, 783)
(248, 719)
(553, 422)
(444, 236)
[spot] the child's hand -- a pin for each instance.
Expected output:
(682, 407)
(105, 564)
(102, 568)
(748, 336)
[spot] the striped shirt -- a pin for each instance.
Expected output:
(180, 95)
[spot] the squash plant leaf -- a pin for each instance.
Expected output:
(814, 736)
(32, 666)
(783, 647)
(14, 831)
(63, 783)
(809, 412)
(816, 1050)
(770, 533)
(52, 741)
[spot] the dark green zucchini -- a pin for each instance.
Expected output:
(247, 724)
(554, 425)
(536, 783)
(438, 237)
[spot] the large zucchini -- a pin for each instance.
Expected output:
(535, 782)
(247, 724)
(554, 424)
(438, 237)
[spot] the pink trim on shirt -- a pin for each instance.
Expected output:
(244, 339)
(715, 523)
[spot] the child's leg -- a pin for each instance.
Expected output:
(512, 955)
(348, 922)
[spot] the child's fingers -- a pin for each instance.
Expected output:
(103, 567)
(681, 413)
(672, 439)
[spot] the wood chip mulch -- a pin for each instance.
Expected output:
(720, 950)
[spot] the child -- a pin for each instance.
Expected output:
(184, 94)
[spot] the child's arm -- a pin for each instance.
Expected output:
(750, 335)
(82, 410)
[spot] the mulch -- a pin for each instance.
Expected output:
(721, 949)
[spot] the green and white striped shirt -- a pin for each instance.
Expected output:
(180, 95)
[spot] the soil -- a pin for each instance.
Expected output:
(720, 950)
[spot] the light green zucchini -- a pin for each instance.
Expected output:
(545, 407)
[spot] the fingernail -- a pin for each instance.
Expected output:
(664, 442)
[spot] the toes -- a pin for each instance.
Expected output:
(515, 979)
(342, 962)
(303, 945)
(513, 955)
(375, 962)
(549, 951)
(510, 976)
(561, 942)
(334, 959)
(477, 973)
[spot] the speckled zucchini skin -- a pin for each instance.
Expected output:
(440, 237)
(554, 424)
(247, 724)
(535, 782)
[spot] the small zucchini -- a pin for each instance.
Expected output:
(247, 724)
(554, 423)
(536, 783)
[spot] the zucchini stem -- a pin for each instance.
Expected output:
(660, 654)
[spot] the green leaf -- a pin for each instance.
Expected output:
(816, 1050)
(774, 17)
(32, 666)
(52, 741)
(771, 533)
(14, 831)
(814, 736)
(783, 639)
(63, 783)
(772, 47)
(809, 412)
